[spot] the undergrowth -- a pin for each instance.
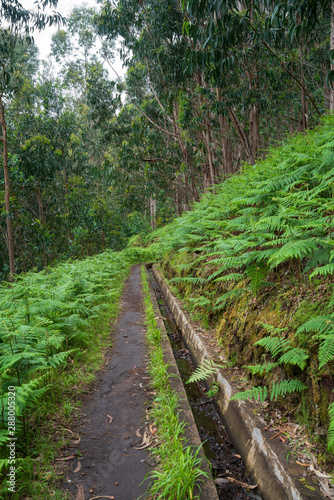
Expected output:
(54, 326)
(264, 238)
(179, 467)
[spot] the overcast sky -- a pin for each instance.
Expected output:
(43, 38)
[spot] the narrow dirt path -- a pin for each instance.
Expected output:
(110, 465)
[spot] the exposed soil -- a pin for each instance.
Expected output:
(108, 464)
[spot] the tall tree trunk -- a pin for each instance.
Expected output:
(331, 97)
(207, 132)
(227, 153)
(153, 212)
(303, 96)
(242, 135)
(21, 249)
(10, 238)
(254, 130)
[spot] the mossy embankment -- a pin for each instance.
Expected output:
(259, 250)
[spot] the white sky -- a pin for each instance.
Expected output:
(43, 38)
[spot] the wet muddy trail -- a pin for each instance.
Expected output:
(105, 460)
(109, 465)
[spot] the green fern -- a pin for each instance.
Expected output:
(261, 369)
(323, 271)
(286, 387)
(330, 435)
(295, 356)
(326, 349)
(204, 371)
(256, 393)
(274, 345)
(257, 273)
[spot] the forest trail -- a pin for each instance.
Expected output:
(109, 464)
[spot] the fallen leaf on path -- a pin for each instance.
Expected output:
(70, 457)
(302, 464)
(103, 496)
(81, 493)
(321, 474)
(66, 429)
(221, 481)
(110, 418)
(143, 447)
(77, 441)
(116, 483)
(325, 489)
(78, 467)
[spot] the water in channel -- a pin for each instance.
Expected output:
(225, 460)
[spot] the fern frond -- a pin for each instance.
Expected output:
(204, 371)
(274, 345)
(257, 273)
(286, 387)
(221, 301)
(323, 271)
(261, 369)
(319, 325)
(296, 356)
(330, 435)
(257, 393)
(326, 349)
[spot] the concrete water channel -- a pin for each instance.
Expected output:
(235, 435)
(226, 464)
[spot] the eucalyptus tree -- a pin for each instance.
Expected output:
(20, 24)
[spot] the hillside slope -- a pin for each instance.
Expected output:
(254, 260)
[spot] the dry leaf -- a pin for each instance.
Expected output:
(77, 441)
(78, 467)
(103, 496)
(326, 490)
(70, 457)
(321, 474)
(81, 493)
(220, 481)
(143, 447)
(110, 418)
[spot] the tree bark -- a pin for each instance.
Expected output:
(12, 268)
(242, 135)
(254, 130)
(331, 90)
(153, 211)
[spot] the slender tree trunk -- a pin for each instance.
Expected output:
(207, 133)
(41, 216)
(242, 135)
(21, 251)
(153, 212)
(303, 96)
(254, 130)
(10, 238)
(227, 153)
(331, 97)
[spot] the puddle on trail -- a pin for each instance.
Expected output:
(225, 460)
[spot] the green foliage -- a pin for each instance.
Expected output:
(179, 467)
(204, 371)
(286, 355)
(46, 321)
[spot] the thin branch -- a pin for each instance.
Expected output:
(292, 75)
(153, 123)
